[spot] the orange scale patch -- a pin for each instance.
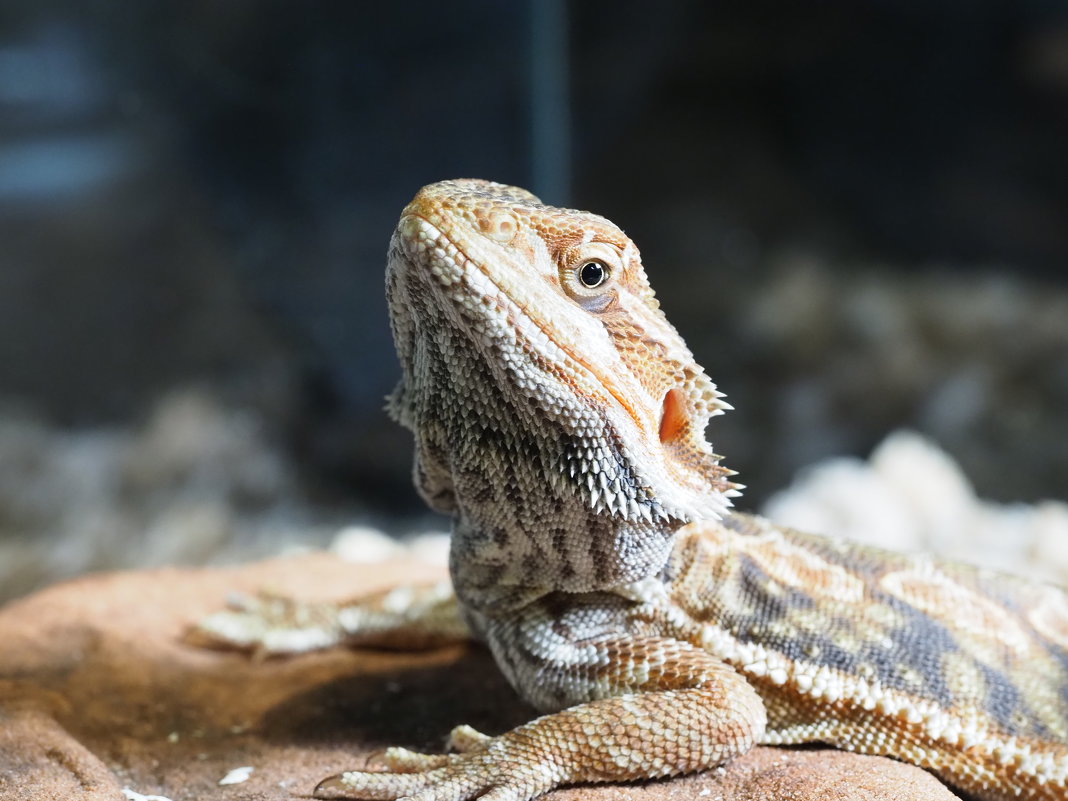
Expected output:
(803, 570)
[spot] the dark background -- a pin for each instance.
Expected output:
(855, 212)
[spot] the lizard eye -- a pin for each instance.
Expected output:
(593, 273)
(589, 272)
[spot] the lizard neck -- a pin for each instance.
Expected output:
(523, 491)
(495, 567)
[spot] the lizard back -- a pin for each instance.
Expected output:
(870, 650)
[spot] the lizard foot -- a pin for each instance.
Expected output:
(489, 768)
(638, 735)
(267, 625)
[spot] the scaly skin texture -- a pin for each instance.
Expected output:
(559, 420)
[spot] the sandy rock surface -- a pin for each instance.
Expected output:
(99, 694)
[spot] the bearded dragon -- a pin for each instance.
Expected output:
(559, 420)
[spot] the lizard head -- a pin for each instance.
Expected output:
(500, 301)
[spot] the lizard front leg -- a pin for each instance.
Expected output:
(405, 617)
(650, 706)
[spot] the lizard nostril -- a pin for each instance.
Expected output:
(672, 416)
(500, 226)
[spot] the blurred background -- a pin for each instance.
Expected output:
(856, 213)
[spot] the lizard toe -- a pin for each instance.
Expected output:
(465, 739)
(460, 778)
(401, 760)
(505, 793)
(370, 785)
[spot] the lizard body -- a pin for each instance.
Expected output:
(559, 420)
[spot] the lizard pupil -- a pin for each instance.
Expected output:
(592, 274)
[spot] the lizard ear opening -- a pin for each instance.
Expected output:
(672, 416)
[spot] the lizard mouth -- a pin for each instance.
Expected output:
(673, 419)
